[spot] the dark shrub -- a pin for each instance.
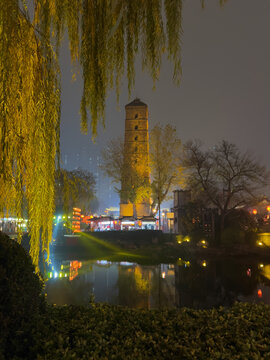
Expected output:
(240, 228)
(241, 219)
(21, 300)
(232, 236)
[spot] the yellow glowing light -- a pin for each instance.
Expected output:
(187, 239)
(204, 263)
(179, 242)
(183, 263)
(266, 271)
(51, 275)
(60, 275)
(52, 267)
(268, 208)
(260, 243)
(163, 275)
(62, 267)
(254, 211)
(203, 241)
(64, 217)
(261, 265)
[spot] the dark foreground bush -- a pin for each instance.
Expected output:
(111, 332)
(21, 300)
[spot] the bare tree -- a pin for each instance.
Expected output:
(223, 176)
(165, 162)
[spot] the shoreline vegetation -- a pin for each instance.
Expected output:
(103, 331)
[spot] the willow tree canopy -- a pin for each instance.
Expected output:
(104, 37)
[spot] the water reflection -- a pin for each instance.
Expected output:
(196, 283)
(211, 284)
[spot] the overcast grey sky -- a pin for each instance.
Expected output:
(225, 89)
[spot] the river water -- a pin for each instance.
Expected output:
(196, 283)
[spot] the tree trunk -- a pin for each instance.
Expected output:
(221, 227)
(222, 218)
(159, 217)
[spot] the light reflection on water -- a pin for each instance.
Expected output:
(191, 283)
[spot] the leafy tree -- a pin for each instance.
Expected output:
(165, 162)
(124, 171)
(104, 38)
(135, 184)
(223, 176)
(74, 188)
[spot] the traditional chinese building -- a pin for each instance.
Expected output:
(134, 199)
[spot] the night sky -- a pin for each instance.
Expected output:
(224, 93)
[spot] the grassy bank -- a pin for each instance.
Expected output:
(110, 332)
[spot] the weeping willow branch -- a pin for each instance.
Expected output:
(29, 123)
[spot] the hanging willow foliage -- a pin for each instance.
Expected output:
(29, 101)
(104, 38)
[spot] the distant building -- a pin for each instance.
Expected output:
(180, 199)
(136, 147)
(199, 218)
(112, 211)
(167, 221)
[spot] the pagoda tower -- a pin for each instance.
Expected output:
(136, 158)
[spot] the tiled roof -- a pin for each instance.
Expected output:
(136, 102)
